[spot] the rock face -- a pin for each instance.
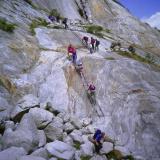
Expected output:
(35, 71)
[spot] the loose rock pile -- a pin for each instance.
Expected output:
(45, 133)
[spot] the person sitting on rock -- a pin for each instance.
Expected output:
(98, 139)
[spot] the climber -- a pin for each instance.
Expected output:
(91, 88)
(72, 52)
(79, 67)
(93, 43)
(98, 139)
(97, 45)
(65, 23)
(85, 40)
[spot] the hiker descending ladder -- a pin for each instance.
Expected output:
(90, 94)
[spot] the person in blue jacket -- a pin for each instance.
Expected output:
(98, 138)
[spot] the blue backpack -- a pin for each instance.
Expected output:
(98, 132)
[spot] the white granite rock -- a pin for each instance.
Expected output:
(60, 150)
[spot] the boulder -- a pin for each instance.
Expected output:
(53, 159)
(9, 124)
(12, 153)
(23, 106)
(76, 122)
(67, 139)
(99, 157)
(42, 138)
(87, 149)
(24, 136)
(52, 109)
(64, 116)
(78, 155)
(30, 157)
(41, 152)
(107, 147)
(41, 117)
(76, 135)
(5, 109)
(68, 127)
(60, 150)
(54, 130)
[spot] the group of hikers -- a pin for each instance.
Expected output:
(93, 45)
(57, 19)
(79, 68)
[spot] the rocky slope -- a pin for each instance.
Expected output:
(42, 98)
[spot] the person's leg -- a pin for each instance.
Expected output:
(90, 50)
(93, 47)
(74, 58)
(96, 148)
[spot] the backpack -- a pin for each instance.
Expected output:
(98, 132)
(97, 42)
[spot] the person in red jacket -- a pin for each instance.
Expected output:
(72, 50)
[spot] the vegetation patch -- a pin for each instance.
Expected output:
(128, 157)
(55, 13)
(148, 59)
(31, 3)
(77, 145)
(36, 23)
(110, 58)
(85, 157)
(94, 29)
(6, 26)
(114, 155)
